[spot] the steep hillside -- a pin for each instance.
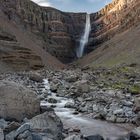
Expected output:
(122, 48)
(59, 31)
(48, 36)
(115, 35)
(115, 18)
(20, 49)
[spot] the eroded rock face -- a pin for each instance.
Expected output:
(60, 31)
(115, 18)
(14, 56)
(17, 102)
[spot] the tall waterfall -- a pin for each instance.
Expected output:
(84, 38)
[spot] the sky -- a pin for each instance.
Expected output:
(88, 6)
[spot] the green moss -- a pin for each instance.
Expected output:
(118, 85)
(125, 69)
(135, 89)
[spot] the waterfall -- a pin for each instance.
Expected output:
(84, 38)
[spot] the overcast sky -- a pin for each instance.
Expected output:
(75, 5)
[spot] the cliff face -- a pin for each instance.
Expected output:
(115, 18)
(59, 31)
(56, 33)
(14, 56)
(115, 35)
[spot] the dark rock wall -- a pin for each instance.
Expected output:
(16, 56)
(115, 18)
(60, 31)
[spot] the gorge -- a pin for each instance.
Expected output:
(69, 76)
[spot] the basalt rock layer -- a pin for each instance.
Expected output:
(115, 35)
(115, 18)
(59, 31)
(13, 55)
(54, 35)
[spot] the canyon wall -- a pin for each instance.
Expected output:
(117, 17)
(59, 31)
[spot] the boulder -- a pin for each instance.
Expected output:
(36, 77)
(12, 126)
(22, 129)
(82, 86)
(71, 78)
(22, 133)
(1, 134)
(52, 100)
(70, 105)
(17, 102)
(49, 124)
(53, 87)
(137, 104)
(118, 112)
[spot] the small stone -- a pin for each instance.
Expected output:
(127, 103)
(24, 135)
(69, 105)
(52, 100)
(36, 136)
(111, 119)
(71, 78)
(54, 87)
(120, 120)
(118, 112)
(95, 108)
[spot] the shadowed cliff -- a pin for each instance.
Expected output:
(54, 36)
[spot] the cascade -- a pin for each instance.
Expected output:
(84, 38)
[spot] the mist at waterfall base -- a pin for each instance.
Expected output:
(84, 38)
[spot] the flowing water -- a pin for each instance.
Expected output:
(84, 38)
(86, 125)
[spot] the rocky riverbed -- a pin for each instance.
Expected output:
(75, 104)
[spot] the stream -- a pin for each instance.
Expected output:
(87, 125)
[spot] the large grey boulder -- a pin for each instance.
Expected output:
(48, 124)
(17, 102)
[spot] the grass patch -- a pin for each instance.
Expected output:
(135, 89)
(118, 85)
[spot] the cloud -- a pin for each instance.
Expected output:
(43, 2)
